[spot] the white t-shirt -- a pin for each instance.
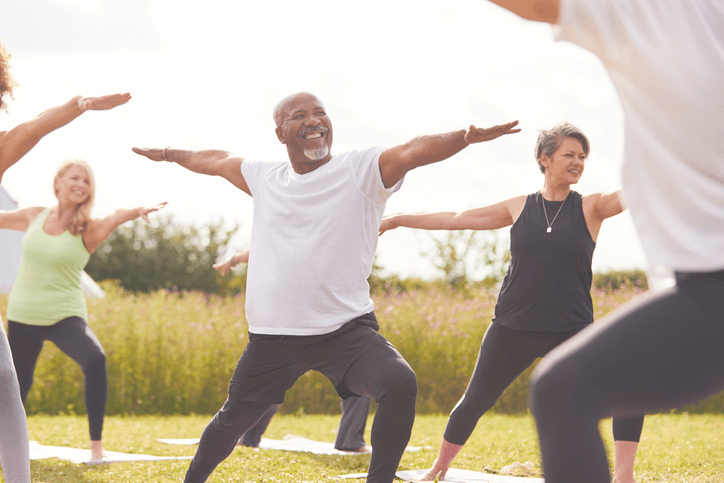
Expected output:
(313, 239)
(666, 60)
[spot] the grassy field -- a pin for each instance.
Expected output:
(674, 449)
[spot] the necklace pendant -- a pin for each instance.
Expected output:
(548, 230)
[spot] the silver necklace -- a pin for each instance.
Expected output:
(550, 223)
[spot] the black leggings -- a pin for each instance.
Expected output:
(504, 355)
(77, 340)
(662, 351)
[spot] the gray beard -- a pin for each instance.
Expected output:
(316, 154)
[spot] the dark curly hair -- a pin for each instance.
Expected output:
(7, 83)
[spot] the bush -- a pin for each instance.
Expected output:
(617, 279)
(163, 254)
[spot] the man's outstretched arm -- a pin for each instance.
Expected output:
(210, 162)
(538, 10)
(396, 162)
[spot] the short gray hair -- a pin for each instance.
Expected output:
(550, 139)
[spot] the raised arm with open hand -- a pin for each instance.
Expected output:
(490, 217)
(212, 162)
(100, 229)
(397, 161)
(14, 144)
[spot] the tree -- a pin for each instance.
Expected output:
(468, 255)
(162, 255)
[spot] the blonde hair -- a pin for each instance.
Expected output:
(82, 215)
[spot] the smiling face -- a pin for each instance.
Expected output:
(567, 163)
(304, 127)
(73, 184)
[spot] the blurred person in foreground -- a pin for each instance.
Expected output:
(663, 350)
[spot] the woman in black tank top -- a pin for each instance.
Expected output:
(545, 296)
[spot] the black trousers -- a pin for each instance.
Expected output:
(355, 358)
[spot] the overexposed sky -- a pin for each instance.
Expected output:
(208, 77)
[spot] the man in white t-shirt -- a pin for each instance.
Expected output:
(314, 234)
(666, 60)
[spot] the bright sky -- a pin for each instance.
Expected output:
(387, 70)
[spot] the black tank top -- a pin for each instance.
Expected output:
(548, 283)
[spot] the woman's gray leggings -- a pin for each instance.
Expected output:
(14, 455)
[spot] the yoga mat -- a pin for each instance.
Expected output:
(458, 476)
(74, 455)
(290, 443)
(183, 441)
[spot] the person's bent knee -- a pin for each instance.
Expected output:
(401, 383)
(8, 378)
(96, 362)
(548, 390)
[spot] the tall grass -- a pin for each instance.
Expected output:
(173, 353)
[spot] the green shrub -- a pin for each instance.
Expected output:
(165, 254)
(617, 279)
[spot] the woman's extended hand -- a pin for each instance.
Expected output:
(103, 103)
(144, 211)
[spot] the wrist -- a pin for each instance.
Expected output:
(82, 103)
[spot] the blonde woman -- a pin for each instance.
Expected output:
(46, 302)
(14, 144)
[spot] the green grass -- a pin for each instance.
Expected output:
(674, 448)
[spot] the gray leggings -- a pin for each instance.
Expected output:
(77, 340)
(14, 455)
(504, 355)
(662, 351)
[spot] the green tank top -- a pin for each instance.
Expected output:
(47, 287)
